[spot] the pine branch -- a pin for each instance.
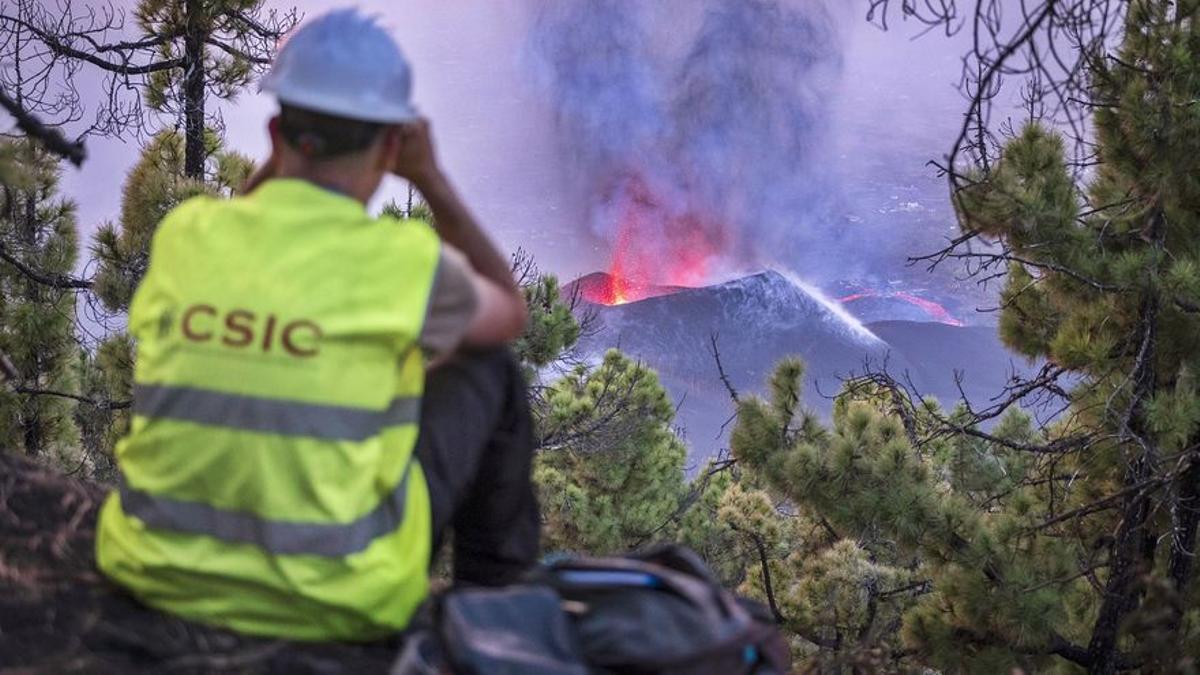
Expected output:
(59, 281)
(263, 30)
(1141, 488)
(943, 426)
(15, 380)
(921, 587)
(95, 403)
(1057, 646)
(237, 53)
(123, 46)
(1187, 305)
(51, 139)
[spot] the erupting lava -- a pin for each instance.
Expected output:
(657, 249)
(935, 311)
(604, 289)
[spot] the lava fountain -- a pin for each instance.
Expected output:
(657, 250)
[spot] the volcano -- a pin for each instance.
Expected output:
(760, 319)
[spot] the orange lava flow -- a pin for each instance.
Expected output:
(936, 311)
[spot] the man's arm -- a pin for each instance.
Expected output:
(501, 314)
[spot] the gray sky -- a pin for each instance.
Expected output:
(895, 109)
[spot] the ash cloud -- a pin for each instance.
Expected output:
(696, 129)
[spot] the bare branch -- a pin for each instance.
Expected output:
(61, 48)
(716, 354)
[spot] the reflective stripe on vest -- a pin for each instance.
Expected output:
(289, 418)
(275, 536)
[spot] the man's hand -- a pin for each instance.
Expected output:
(502, 313)
(416, 162)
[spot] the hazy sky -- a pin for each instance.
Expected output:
(895, 108)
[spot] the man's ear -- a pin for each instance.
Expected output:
(274, 133)
(390, 145)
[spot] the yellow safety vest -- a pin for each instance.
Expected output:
(268, 478)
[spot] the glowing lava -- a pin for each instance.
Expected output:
(658, 249)
(604, 289)
(934, 310)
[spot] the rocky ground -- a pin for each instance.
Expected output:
(59, 615)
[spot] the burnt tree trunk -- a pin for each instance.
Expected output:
(194, 90)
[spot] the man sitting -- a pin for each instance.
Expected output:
(292, 462)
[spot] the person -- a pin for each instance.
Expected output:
(293, 462)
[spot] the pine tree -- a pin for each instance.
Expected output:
(552, 330)
(1105, 281)
(105, 378)
(610, 469)
(414, 207)
(37, 233)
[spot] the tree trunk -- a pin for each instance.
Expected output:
(1132, 552)
(31, 426)
(194, 91)
(32, 433)
(1119, 598)
(1185, 516)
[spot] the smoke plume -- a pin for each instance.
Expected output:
(694, 129)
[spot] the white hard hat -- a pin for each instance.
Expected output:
(343, 63)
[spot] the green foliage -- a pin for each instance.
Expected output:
(414, 207)
(37, 228)
(1104, 282)
(552, 327)
(888, 549)
(610, 472)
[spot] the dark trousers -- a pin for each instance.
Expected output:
(476, 449)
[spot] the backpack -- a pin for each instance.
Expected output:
(657, 612)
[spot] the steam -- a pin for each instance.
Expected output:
(836, 308)
(694, 130)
